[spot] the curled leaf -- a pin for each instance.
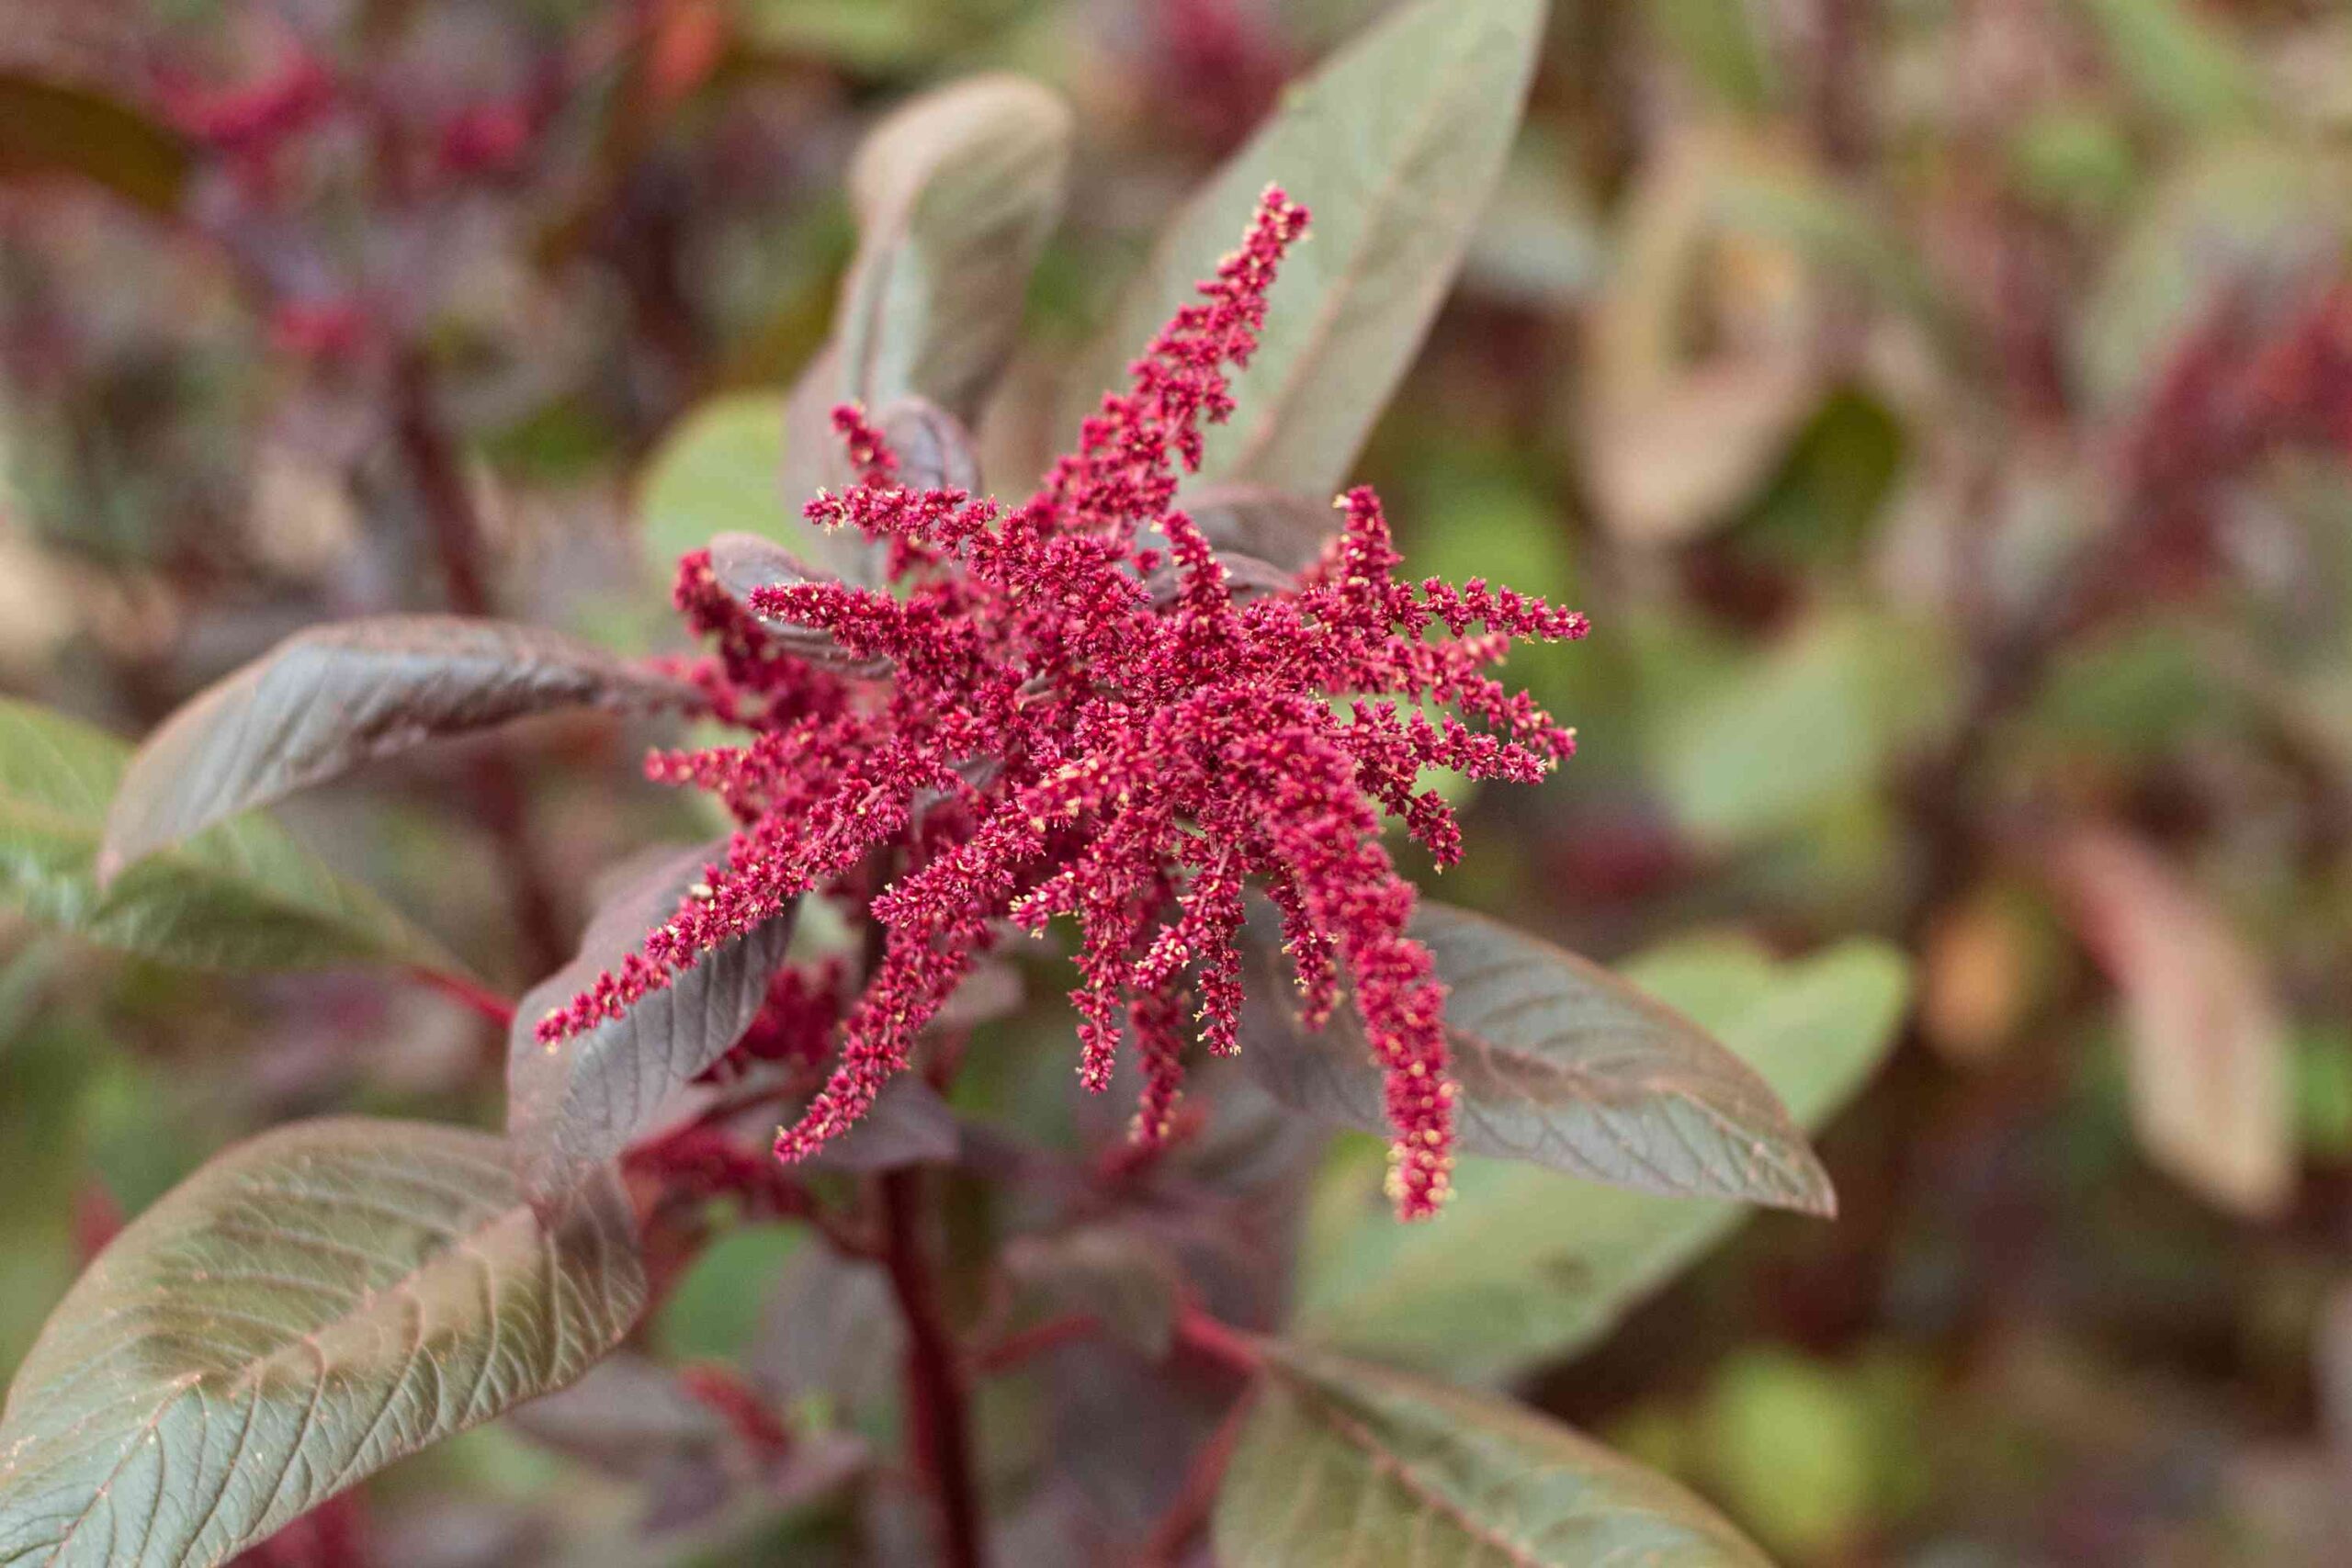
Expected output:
(1279, 526)
(933, 448)
(955, 193)
(744, 563)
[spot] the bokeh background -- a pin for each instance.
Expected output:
(1942, 407)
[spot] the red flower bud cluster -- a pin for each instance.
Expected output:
(1055, 738)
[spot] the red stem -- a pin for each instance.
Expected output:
(448, 505)
(1212, 1339)
(1017, 1348)
(939, 1423)
(483, 1000)
(1197, 1499)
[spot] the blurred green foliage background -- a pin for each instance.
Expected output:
(1941, 407)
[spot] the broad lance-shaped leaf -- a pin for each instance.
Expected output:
(956, 194)
(241, 895)
(572, 1106)
(1526, 1267)
(1395, 146)
(304, 1309)
(330, 698)
(1344, 1462)
(1560, 1063)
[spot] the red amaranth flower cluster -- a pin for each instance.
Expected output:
(1076, 714)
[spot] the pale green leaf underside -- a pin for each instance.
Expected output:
(307, 1308)
(1345, 1466)
(1395, 146)
(1524, 1265)
(241, 895)
(1559, 1063)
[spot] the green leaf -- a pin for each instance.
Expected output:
(1523, 1265)
(1395, 145)
(1812, 724)
(1726, 45)
(718, 470)
(1343, 1462)
(55, 127)
(572, 1106)
(242, 896)
(307, 1308)
(2184, 69)
(335, 696)
(875, 36)
(1559, 1063)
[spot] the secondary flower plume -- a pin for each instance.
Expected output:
(1078, 713)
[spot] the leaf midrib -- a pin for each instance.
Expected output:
(247, 1378)
(1323, 1407)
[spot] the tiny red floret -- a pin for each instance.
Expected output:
(1081, 717)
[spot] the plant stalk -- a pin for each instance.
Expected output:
(450, 512)
(937, 1411)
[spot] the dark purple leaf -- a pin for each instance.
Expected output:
(574, 1105)
(935, 450)
(330, 698)
(1115, 1274)
(1284, 530)
(907, 1124)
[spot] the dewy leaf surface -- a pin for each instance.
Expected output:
(574, 1105)
(1560, 1063)
(1344, 1463)
(1395, 146)
(241, 895)
(304, 1309)
(1524, 1266)
(330, 698)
